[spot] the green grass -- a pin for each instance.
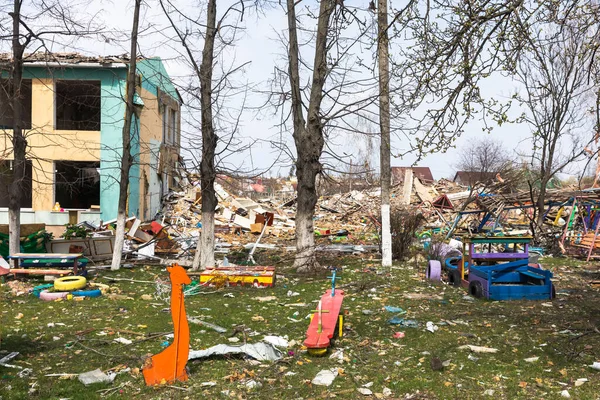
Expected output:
(518, 330)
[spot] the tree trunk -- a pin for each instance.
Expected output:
(308, 139)
(205, 250)
(306, 171)
(126, 158)
(540, 205)
(384, 124)
(18, 140)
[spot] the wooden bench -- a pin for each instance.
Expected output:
(70, 260)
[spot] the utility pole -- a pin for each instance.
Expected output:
(384, 125)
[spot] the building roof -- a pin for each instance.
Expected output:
(66, 58)
(423, 173)
(154, 75)
(471, 177)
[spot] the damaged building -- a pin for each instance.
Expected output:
(73, 115)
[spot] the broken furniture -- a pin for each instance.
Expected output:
(501, 275)
(325, 319)
(240, 275)
(48, 260)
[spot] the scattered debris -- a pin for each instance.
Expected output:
(431, 327)
(259, 351)
(214, 327)
(96, 376)
(325, 377)
(478, 349)
(276, 341)
(364, 391)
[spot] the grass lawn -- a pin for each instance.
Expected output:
(71, 337)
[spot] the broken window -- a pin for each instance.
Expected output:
(6, 171)
(6, 109)
(78, 105)
(77, 184)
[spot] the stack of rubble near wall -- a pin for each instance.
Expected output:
(350, 218)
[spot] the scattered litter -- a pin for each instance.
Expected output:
(431, 327)
(325, 377)
(387, 392)
(580, 381)
(208, 384)
(473, 358)
(399, 335)
(229, 295)
(478, 349)
(266, 298)
(531, 359)
(123, 340)
(565, 394)
(292, 294)
(25, 372)
(396, 310)
(233, 339)
(367, 312)
(259, 351)
(214, 327)
(252, 384)
(596, 366)
(488, 392)
(276, 341)
(96, 376)
(407, 323)
(4, 360)
(338, 355)
(365, 391)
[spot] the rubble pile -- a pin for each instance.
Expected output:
(350, 221)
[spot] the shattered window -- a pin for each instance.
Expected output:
(6, 170)
(77, 184)
(78, 105)
(6, 109)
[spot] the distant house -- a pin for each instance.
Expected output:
(73, 116)
(423, 173)
(469, 178)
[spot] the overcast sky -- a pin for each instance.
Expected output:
(259, 46)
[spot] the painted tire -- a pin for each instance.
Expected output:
(70, 283)
(38, 289)
(87, 293)
(434, 270)
(454, 277)
(50, 296)
(475, 289)
(452, 262)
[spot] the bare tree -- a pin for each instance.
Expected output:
(210, 87)
(19, 143)
(384, 124)
(558, 96)
(308, 134)
(126, 157)
(482, 159)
